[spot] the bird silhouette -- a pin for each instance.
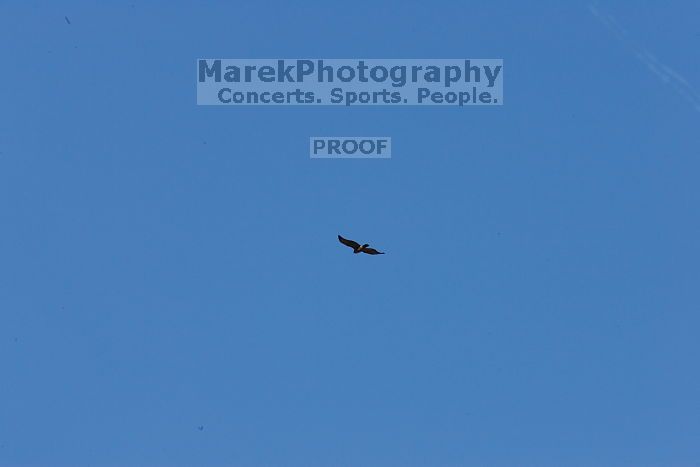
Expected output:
(357, 248)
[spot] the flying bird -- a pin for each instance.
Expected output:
(357, 248)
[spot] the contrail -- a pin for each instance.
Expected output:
(666, 73)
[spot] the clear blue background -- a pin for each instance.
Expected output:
(165, 266)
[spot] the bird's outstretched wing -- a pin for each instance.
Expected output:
(372, 251)
(352, 244)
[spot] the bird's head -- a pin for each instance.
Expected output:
(365, 245)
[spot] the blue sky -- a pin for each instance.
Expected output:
(165, 266)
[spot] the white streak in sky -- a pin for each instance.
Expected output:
(667, 74)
